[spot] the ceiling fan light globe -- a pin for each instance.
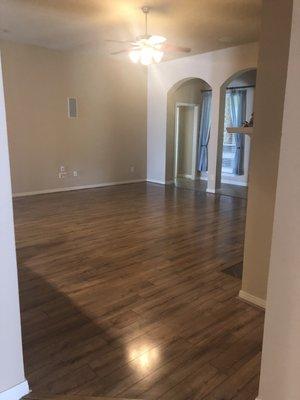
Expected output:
(135, 56)
(158, 56)
(146, 56)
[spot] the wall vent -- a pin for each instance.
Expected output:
(72, 107)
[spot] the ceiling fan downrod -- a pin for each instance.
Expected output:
(146, 11)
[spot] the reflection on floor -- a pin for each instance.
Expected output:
(123, 294)
(200, 185)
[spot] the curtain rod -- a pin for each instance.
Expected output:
(231, 88)
(240, 87)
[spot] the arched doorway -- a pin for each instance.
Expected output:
(236, 107)
(188, 128)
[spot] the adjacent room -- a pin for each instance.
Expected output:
(138, 162)
(238, 111)
(188, 133)
(188, 115)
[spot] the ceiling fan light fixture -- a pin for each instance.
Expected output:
(156, 40)
(158, 56)
(148, 49)
(146, 56)
(135, 56)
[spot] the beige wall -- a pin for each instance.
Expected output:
(187, 92)
(11, 358)
(102, 144)
(281, 348)
(270, 87)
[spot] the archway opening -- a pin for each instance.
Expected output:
(188, 129)
(236, 110)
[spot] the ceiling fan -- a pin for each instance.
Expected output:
(148, 49)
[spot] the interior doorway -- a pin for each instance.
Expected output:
(186, 140)
(188, 131)
(236, 145)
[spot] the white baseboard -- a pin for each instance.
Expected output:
(208, 190)
(158, 181)
(16, 392)
(234, 182)
(187, 176)
(68, 189)
(249, 298)
(229, 181)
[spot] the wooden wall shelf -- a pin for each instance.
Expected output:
(242, 130)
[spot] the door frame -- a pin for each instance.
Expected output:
(196, 123)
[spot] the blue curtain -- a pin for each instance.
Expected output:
(204, 131)
(237, 99)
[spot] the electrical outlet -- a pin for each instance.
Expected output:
(62, 175)
(132, 168)
(75, 173)
(62, 168)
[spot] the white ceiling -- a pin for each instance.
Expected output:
(203, 25)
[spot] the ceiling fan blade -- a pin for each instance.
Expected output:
(114, 53)
(156, 40)
(170, 47)
(119, 41)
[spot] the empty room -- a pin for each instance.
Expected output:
(149, 218)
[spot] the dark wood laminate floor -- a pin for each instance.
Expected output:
(123, 294)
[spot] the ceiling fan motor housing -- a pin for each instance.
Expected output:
(143, 37)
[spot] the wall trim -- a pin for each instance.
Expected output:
(224, 180)
(208, 190)
(70, 188)
(187, 176)
(158, 181)
(16, 392)
(249, 298)
(234, 182)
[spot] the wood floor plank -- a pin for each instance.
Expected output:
(122, 294)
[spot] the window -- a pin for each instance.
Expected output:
(228, 141)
